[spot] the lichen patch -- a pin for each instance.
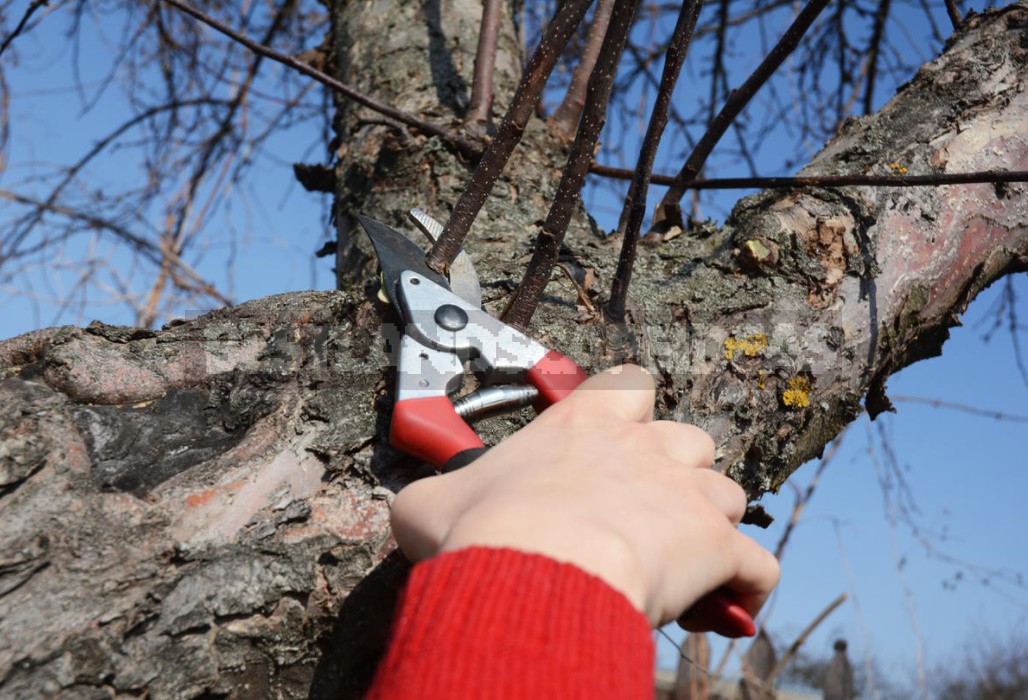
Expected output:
(750, 346)
(797, 395)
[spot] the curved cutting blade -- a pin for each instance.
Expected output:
(397, 254)
(463, 278)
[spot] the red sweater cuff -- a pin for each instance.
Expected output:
(499, 623)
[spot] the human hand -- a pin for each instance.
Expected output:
(595, 482)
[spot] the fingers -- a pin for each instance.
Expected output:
(625, 392)
(757, 573)
(693, 448)
(684, 443)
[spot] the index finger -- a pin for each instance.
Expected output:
(625, 391)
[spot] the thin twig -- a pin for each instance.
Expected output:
(803, 500)
(175, 238)
(874, 52)
(635, 206)
(739, 183)
(1010, 299)
(141, 244)
(893, 512)
(465, 146)
(795, 646)
(669, 209)
(481, 102)
(954, 14)
(858, 611)
(583, 294)
(22, 228)
(565, 118)
(498, 152)
(31, 10)
(565, 200)
(939, 403)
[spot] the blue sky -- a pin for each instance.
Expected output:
(967, 473)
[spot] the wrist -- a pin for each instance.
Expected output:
(561, 537)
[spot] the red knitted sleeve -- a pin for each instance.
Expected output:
(497, 623)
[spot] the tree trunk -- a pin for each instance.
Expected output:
(203, 511)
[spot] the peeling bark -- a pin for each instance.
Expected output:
(203, 511)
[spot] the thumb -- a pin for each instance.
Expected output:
(625, 391)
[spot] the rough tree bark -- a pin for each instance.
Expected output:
(202, 511)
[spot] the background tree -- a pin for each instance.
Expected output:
(192, 510)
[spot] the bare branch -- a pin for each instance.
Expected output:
(139, 243)
(481, 102)
(29, 11)
(23, 228)
(635, 206)
(954, 13)
(537, 275)
(465, 146)
(803, 499)
(953, 405)
(565, 118)
(669, 211)
(795, 646)
(874, 52)
(738, 183)
(509, 133)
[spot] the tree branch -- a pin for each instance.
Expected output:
(485, 64)
(635, 206)
(29, 11)
(565, 118)
(465, 146)
(537, 275)
(954, 13)
(141, 244)
(952, 405)
(737, 183)
(873, 52)
(798, 642)
(669, 211)
(509, 133)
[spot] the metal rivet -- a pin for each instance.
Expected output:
(451, 318)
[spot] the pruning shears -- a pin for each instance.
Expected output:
(445, 326)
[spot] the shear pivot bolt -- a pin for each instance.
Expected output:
(451, 318)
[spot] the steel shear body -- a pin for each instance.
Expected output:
(442, 330)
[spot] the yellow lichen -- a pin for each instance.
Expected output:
(761, 379)
(897, 169)
(798, 393)
(750, 346)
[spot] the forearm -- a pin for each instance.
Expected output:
(498, 623)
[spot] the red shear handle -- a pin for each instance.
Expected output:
(721, 612)
(555, 376)
(431, 430)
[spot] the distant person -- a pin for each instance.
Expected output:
(546, 563)
(838, 684)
